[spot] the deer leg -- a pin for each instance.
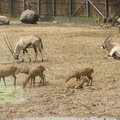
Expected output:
(31, 82)
(81, 85)
(78, 78)
(4, 81)
(25, 83)
(34, 81)
(90, 80)
(35, 50)
(14, 79)
(42, 79)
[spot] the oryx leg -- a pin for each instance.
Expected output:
(108, 56)
(35, 50)
(28, 54)
(25, 51)
(23, 56)
(40, 52)
(111, 54)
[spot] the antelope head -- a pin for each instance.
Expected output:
(15, 56)
(104, 43)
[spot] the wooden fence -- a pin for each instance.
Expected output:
(62, 7)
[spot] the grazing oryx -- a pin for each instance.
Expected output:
(24, 42)
(112, 48)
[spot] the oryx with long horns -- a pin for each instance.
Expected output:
(112, 48)
(24, 42)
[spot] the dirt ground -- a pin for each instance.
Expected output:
(67, 47)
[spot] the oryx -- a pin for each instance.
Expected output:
(24, 42)
(112, 48)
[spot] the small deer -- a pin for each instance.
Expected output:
(7, 71)
(83, 72)
(74, 84)
(34, 72)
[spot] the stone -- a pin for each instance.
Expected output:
(29, 16)
(4, 20)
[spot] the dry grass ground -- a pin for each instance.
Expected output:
(67, 47)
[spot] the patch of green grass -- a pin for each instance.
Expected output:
(74, 19)
(10, 94)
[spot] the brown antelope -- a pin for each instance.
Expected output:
(112, 48)
(33, 73)
(83, 72)
(8, 70)
(24, 42)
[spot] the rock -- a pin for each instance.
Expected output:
(118, 20)
(4, 20)
(29, 16)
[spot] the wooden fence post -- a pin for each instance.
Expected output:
(87, 8)
(24, 6)
(53, 9)
(38, 6)
(11, 7)
(70, 7)
(106, 8)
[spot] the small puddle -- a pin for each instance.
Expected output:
(10, 94)
(67, 118)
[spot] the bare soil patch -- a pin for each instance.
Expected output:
(67, 47)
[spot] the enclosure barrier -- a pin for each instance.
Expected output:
(65, 8)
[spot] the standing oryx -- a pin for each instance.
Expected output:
(112, 48)
(24, 42)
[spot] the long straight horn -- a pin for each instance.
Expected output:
(106, 38)
(8, 45)
(109, 35)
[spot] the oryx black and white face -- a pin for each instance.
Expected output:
(16, 57)
(105, 43)
(103, 46)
